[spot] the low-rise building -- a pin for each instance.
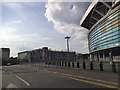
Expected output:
(36, 55)
(81, 57)
(24, 56)
(61, 56)
(45, 54)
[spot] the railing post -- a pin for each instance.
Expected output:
(113, 67)
(62, 63)
(91, 65)
(57, 63)
(65, 64)
(78, 66)
(68, 64)
(84, 66)
(73, 64)
(101, 66)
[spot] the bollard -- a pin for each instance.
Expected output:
(68, 64)
(65, 64)
(113, 67)
(84, 66)
(62, 64)
(101, 66)
(45, 63)
(78, 65)
(73, 64)
(54, 63)
(49, 63)
(57, 63)
(91, 65)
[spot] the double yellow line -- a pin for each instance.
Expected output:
(89, 80)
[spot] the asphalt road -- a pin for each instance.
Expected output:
(34, 76)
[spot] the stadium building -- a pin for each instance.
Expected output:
(102, 19)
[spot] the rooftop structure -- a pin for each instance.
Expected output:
(96, 10)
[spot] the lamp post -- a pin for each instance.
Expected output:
(67, 43)
(67, 38)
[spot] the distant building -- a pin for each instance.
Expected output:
(36, 55)
(13, 60)
(4, 56)
(24, 56)
(45, 54)
(82, 56)
(59, 55)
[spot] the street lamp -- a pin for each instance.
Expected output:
(67, 38)
(67, 43)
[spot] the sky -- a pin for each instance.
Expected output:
(26, 26)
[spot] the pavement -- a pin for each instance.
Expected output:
(36, 76)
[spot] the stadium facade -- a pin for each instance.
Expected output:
(102, 19)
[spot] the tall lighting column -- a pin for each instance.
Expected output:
(67, 38)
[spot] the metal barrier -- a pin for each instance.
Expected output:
(91, 65)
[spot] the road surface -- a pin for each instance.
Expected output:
(35, 76)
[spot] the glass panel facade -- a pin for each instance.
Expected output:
(106, 34)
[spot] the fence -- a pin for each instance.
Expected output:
(101, 66)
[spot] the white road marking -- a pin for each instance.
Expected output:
(82, 77)
(10, 72)
(95, 79)
(12, 86)
(90, 79)
(23, 80)
(5, 69)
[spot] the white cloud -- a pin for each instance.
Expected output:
(14, 5)
(20, 8)
(51, 0)
(66, 17)
(23, 0)
(10, 37)
(13, 22)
